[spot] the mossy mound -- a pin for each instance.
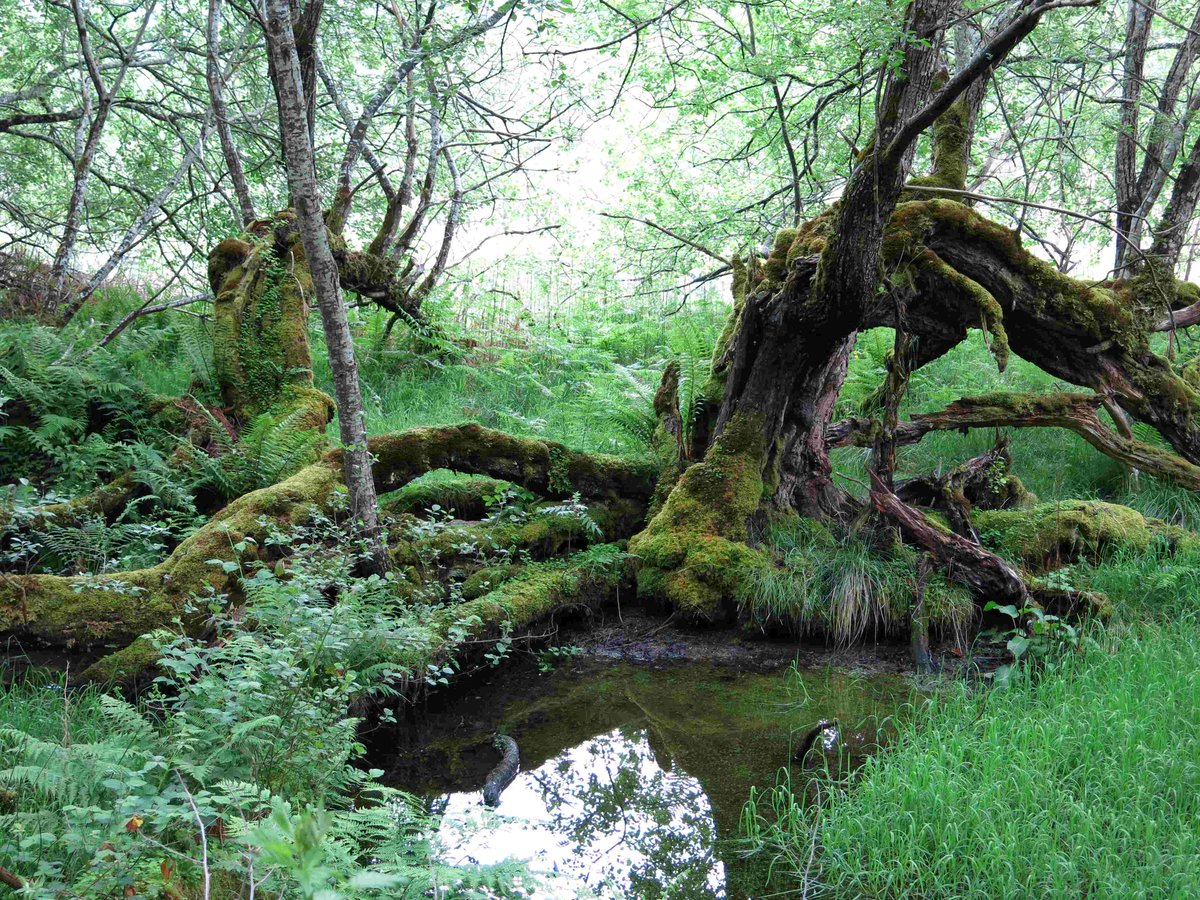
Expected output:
(694, 553)
(1054, 534)
(465, 496)
(488, 579)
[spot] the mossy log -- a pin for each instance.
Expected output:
(1050, 535)
(115, 609)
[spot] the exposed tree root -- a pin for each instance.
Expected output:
(963, 560)
(981, 483)
(118, 608)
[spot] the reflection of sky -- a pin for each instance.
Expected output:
(601, 818)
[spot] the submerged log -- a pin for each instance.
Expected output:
(504, 773)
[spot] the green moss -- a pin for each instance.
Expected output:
(130, 664)
(990, 313)
(538, 592)
(464, 495)
(951, 155)
(542, 589)
(260, 318)
(776, 265)
(694, 552)
(1051, 534)
(488, 579)
(368, 269)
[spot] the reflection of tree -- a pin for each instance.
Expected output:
(635, 828)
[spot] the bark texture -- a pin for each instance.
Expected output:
(294, 77)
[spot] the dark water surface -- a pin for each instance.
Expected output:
(633, 779)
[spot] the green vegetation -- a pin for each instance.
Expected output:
(350, 351)
(1041, 788)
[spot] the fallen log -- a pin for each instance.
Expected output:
(117, 608)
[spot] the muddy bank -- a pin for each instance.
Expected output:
(635, 636)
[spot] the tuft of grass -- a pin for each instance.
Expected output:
(843, 587)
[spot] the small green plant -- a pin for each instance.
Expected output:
(551, 658)
(1034, 635)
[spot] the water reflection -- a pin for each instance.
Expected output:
(604, 816)
(635, 778)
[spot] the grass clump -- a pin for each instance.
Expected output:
(843, 588)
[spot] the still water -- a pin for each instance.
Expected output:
(633, 780)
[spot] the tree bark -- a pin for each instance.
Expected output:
(216, 93)
(297, 144)
(1137, 39)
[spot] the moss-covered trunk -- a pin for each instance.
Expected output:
(261, 354)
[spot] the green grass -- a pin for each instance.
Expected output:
(591, 388)
(1086, 783)
(843, 589)
(36, 704)
(1082, 781)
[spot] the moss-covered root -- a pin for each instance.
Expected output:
(694, 553)
(117, 608)
(131, 668)
(544, 467)
(86, 611)
(1054, 534)
(536, 594)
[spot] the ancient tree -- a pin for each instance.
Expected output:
(901, 249)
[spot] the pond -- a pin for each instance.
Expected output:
(633, 779)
